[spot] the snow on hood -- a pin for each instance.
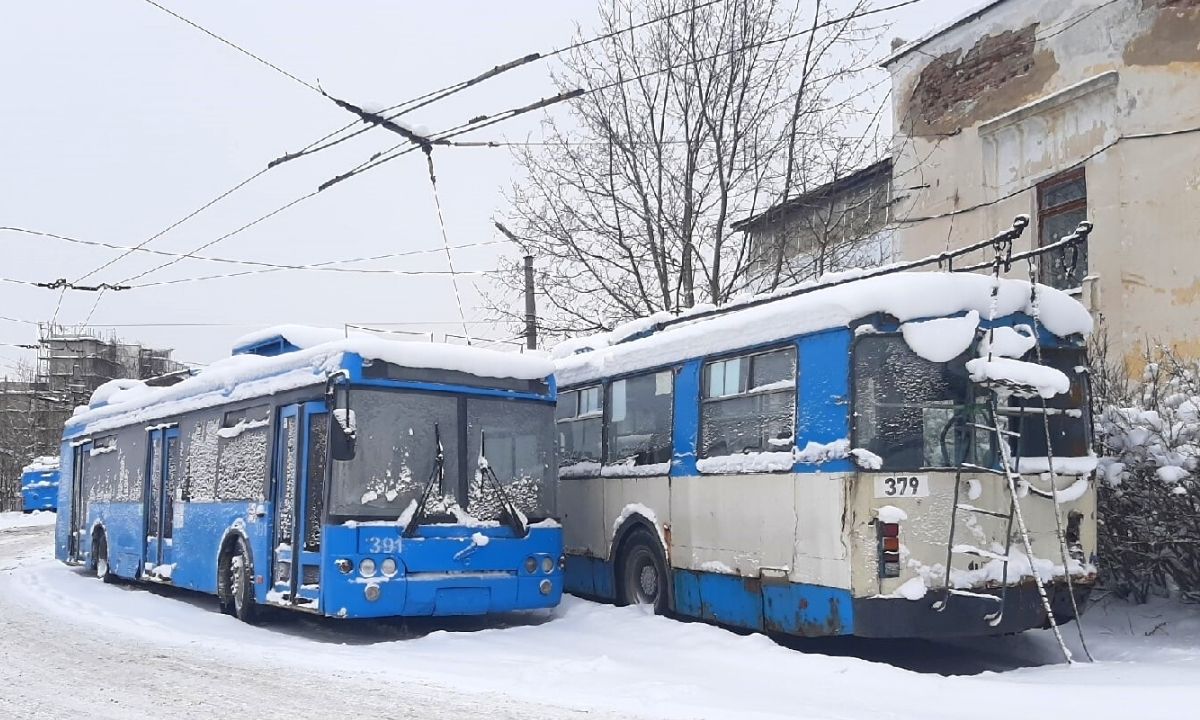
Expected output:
(906, 296)
(241, 377)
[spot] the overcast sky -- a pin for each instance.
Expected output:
(118, 119)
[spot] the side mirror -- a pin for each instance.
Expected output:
(343, 438)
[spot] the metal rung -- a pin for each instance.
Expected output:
(977, 552)
(1030, 410)
(981, 511)
(980, 468)
(968, 593)
(989, 428)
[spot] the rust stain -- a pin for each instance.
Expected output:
(1172, 37)
(1186, 295)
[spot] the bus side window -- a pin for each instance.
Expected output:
(580, 417)
(640, 419)
(749, 404)
(242, 454)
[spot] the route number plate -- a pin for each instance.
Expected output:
(892, 486)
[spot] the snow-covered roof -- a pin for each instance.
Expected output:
(242, 377)
(46, 463)
(301, 336)
(905, 296)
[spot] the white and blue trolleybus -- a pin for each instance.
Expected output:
(866, 456)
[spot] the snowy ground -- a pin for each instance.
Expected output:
(73, 647)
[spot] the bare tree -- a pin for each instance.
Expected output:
(690, 123)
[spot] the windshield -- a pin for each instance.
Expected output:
(395, 454)
(914, 413)
(520, 450)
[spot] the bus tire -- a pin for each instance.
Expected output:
(239, 579)
(99, 561)
(642, 573)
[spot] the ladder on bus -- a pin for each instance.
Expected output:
(998, 428)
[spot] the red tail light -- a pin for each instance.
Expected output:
(889, 549)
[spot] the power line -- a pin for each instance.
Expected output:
(237, 47)
(1025, 188)
(254, 263)
(413, 104)
(493, 72)
(487, 120)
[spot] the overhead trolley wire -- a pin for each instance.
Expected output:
(482, 121)
(449, 90)
(237, 47)
(412, 104)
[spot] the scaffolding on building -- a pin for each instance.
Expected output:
(71, 363)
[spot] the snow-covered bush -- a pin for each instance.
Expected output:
(1148, 433)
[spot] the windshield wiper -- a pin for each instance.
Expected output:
(438, 475)
(509, 514)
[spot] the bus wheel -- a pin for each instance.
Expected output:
(240, 578)
(643, 573)
(100, 558)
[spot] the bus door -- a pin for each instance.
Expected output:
(78, 511)
(162, 468)
(301, 444)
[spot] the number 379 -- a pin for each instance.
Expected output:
(901, 486)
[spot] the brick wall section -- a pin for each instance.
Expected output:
(950, 85)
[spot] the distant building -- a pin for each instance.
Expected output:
(1063, 111)
(70, 366)
(839, 224)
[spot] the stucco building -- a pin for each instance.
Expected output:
(1063, 111)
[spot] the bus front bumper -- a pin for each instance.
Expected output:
(441, 594)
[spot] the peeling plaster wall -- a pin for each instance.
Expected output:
(989, 108)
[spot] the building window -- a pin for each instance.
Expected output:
(1062, 205)
(639, 423)
(580, 418)
(749, 404)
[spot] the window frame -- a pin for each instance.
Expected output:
(701, 400)
(600, 386)
(238, 412)
(606, 386)
(1045, 213)
(855, 438)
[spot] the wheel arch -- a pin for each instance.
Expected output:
(225, 548)
(97, 531)
(628, 528)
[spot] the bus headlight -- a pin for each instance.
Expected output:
(366, 567)
(547, 565)
(388, 566)
(531, 565)
(371, 592)
(544, 587)
(344, 565)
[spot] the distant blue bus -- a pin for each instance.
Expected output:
(39, 485)
(346, 478)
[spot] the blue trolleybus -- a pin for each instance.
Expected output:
(347, 478)
(826, 462)
(39, 485)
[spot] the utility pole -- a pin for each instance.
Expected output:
(530, 306)
(530, 303)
